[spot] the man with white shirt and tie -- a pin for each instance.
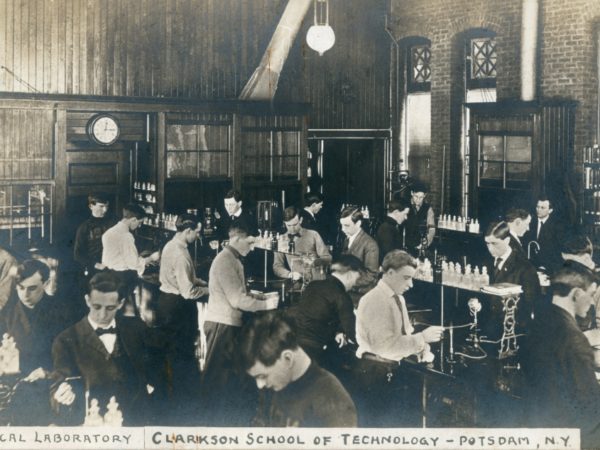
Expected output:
(548, 230)
(385, 336)
(361, 245)
(110, 353)
(511, 266)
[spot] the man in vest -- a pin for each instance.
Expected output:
(420, 223)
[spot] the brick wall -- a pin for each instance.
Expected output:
(567, 69)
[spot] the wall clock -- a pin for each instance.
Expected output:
(103, 129)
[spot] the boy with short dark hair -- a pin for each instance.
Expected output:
(87, 250)
(304, 395)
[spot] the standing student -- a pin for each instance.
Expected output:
(119, 252)
(390, 234)
(228, 299)
(420, 223)
(306, 242)
(313, 203)
(87, 249)
(176, 314)
(361, 245)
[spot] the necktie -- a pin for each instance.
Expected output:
(497, 263)
(232, 218)
(539, 230)
(293, 236)
(101, 331)
(406, 326)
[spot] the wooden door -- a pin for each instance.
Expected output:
(93, 168)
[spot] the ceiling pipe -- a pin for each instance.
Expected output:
(529, 45)
(262, 85)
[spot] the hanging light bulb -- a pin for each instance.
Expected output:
(320, 36)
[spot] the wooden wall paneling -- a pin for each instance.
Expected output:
(161, 159)
(236, 155)
(60, 167)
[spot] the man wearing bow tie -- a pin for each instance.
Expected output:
(305, 242)
(110, 353)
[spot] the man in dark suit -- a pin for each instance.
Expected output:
(235, 214)
(518, 221)
(558, 362)
(511, 266)
(33, 319)
(548, 230)
(577, 253)
(110, 353)
(361, 245)
(313, 203)
(324, 314)
(390, 234)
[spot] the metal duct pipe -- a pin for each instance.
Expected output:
(529, 45)
(262, 85)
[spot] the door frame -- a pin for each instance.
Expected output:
(384, 135)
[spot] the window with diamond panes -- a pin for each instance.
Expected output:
(483, 62)
(420, 68)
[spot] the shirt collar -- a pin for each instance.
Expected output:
(95, 326)
(386, 288)
(506, 254)
(234, 252)
(123, 226)
(238, 213)
(300, 232)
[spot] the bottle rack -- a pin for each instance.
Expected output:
(144, 194)
(590, 207)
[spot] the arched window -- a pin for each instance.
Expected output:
(480, 66)
(480, 70)
(416, 111)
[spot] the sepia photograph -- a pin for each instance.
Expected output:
(297, 224)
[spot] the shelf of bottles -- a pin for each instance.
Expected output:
(470, 278)
(26, 213)
(458, 223)
(144, 194)
(591, 185)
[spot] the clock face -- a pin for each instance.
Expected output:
(104, 129)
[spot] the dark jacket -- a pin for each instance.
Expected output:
(324, 309)
(389, 237)
(516, 245)
(87, 249)
(558, 364)
(78, 351)
(364, 248)
(34, 330)
(550, 240)
(416, 225)
(246, 219)
(518, 270)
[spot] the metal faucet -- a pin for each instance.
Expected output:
(529, 248)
